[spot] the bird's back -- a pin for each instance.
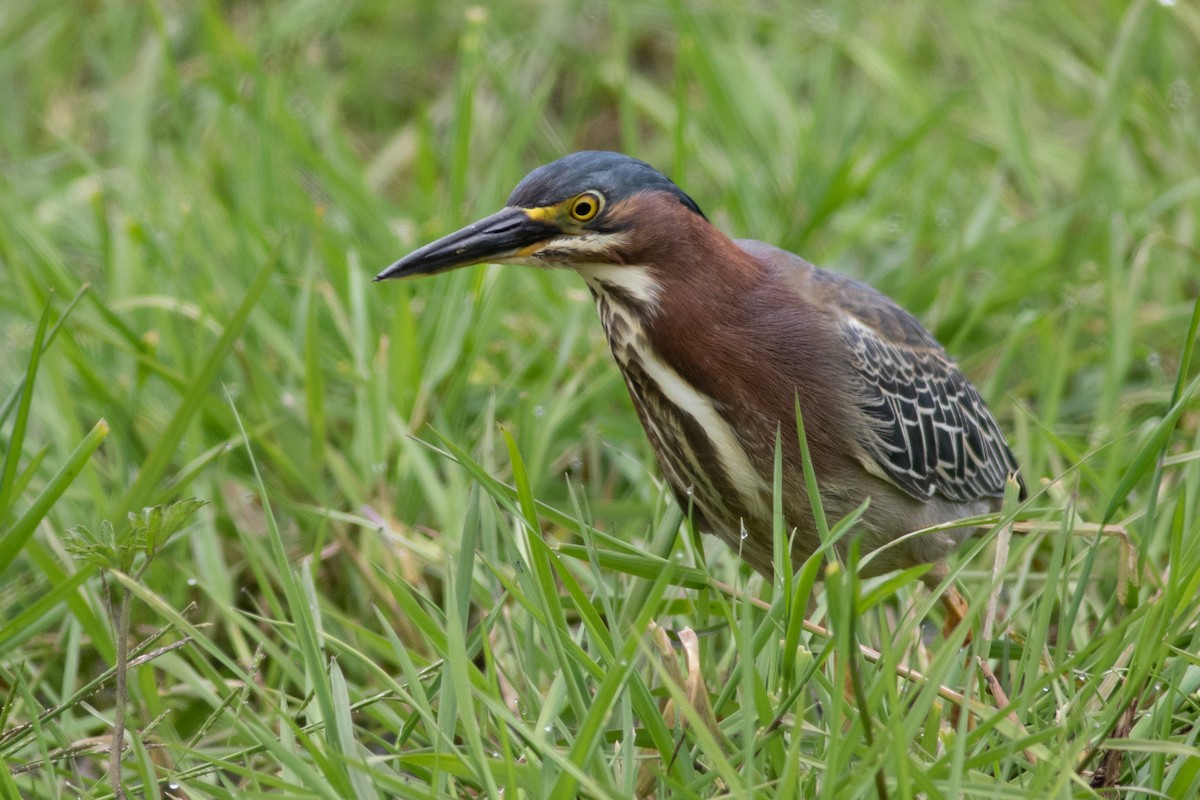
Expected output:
(887, 413)
(937, 435)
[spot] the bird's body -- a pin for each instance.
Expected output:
(719, 340)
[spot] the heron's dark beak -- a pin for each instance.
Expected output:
(498, 237)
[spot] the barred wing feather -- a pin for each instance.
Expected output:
(935, 434)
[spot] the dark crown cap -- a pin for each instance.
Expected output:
(614, 175)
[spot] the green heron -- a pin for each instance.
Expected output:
(719, 339)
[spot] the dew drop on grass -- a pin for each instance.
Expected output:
(539, 411)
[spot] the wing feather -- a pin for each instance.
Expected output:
(935, 435)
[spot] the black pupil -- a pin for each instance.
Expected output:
(583, 208)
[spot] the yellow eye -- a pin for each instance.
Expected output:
(585, 207)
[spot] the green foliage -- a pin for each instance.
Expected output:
(432, 542)
(145, 534)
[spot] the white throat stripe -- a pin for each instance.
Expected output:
(634, 280)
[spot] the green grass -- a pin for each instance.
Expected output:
(434, 542)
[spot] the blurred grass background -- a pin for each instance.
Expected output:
(373, 612)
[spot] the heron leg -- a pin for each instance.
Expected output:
(956, 611)
(952, 600)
